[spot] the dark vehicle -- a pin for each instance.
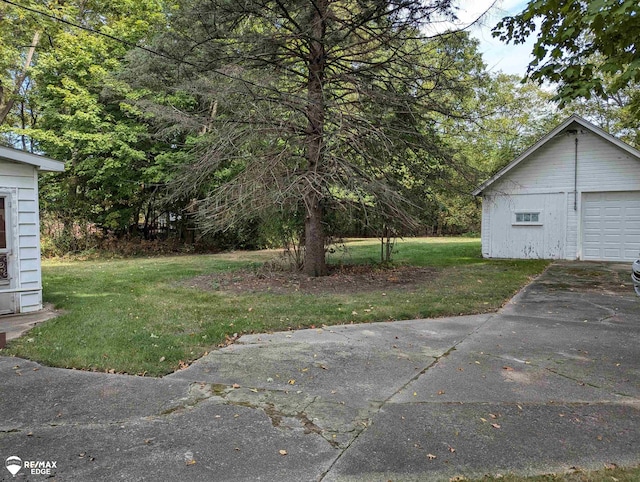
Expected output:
(635, 275)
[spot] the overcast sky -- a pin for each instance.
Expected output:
(509, 58)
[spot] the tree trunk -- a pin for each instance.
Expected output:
(7, 105)
(314, 256)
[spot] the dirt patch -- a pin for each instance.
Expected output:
(343, 279)
(589, 276)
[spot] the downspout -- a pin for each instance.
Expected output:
(575, 177)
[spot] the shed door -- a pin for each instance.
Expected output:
(7, 300)
(611, 226)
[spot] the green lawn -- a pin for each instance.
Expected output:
(132, 315)
(614, 474)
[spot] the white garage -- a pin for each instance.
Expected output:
(575, 194)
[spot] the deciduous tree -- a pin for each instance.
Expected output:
(579, 43)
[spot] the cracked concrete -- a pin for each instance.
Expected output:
(550, 382)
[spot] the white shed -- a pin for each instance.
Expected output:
(575, 194)
(20, 275)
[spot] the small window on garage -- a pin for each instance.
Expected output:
(528, 218)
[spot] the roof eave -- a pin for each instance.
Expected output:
(42, 163)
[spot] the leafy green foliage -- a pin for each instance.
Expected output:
(579, 43)
(83, 118)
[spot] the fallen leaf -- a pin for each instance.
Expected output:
(191, 462)
(509, 369)
(235, 385)
(162, 359)
(291, 382)
(451, 449)
(495, 425)
(441, 392)
(282, 452)
(493, 416)
(483, 419)
(431, 456)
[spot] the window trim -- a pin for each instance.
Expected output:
(539, 222)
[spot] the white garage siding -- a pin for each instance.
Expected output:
(611, 226)
(604, 164)
(543, 239)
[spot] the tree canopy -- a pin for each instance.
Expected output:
(264, 119)
(579, 44)
(309, 105)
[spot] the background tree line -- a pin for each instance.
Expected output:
(269, 122)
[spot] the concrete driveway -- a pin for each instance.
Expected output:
(550, 382)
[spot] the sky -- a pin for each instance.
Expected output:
(509, 58)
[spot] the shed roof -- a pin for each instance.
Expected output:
(562, 126)
(40, 162)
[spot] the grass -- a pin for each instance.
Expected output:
(631, 474)
(132, 315)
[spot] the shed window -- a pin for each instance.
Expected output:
(528, 218)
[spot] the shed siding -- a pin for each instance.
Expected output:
(485, 226)
(31, 301)
(21, 180)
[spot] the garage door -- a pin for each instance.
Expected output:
(611, 226)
